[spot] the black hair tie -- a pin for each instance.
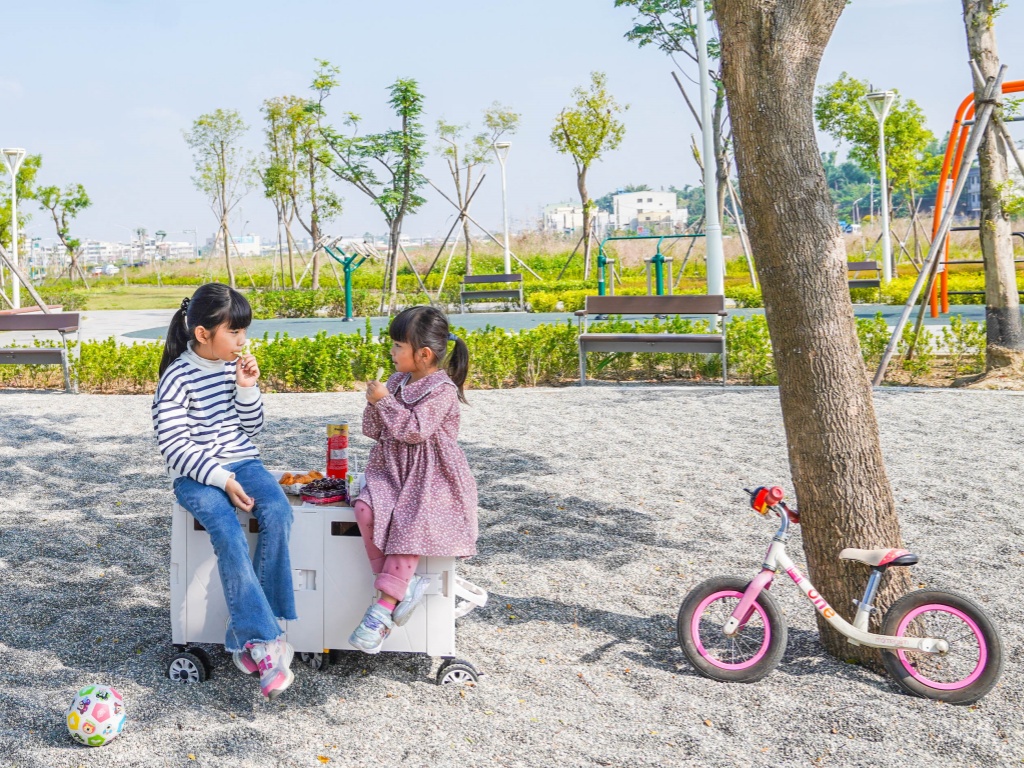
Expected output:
(184, 304)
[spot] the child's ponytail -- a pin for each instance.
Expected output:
(427, 327)
(178, 337)
(457, 365)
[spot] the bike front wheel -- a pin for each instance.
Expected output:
(961, 675)
(751, 653)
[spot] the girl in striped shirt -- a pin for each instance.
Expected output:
(206, 409)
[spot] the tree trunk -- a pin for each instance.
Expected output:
(772, 50)
(291, 253)
(1002, 304)
(396, 232)
(463, 206)
(227, 249)
(581, 184)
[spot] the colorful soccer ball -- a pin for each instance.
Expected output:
(96, 715)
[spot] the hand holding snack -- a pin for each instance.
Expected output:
(247, 373)
(375, 391)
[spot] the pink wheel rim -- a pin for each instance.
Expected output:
(924, 680)
(695, 631)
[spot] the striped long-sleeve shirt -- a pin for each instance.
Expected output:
(204, 420)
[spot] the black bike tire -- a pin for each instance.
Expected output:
(969, 694)
(776, 623)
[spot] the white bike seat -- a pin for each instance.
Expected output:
(879, 558)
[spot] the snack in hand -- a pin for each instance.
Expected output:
(380, 374)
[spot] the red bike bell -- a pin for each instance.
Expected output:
(765, 498)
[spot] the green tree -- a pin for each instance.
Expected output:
(835, 456)
(224, 169)
(842, 112)
(301, 168)
(386, 166)
(463, 156)
(64, 205)
(586, 130)
(670, 26)
(280, 172)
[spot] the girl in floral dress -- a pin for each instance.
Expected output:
(419, 497)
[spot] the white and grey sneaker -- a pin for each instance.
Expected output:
(413, 597)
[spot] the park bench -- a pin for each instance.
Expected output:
(501, 293)
(864, 266)
(63, 323)
(700, 343)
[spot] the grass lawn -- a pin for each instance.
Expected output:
(138, 296)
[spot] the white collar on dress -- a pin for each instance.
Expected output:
(415, 391)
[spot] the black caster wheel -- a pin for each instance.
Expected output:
(188, 667)
(316, 661)
(457, 672)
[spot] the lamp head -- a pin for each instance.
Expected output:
(13, 157)
(880, 102)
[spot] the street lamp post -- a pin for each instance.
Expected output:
(501, 149)
(13, 158)
(712, 226)
(880, 103)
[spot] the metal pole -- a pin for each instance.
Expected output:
(13, 158)
(715, 254)
(886, 242)
(498, 147)
(880, 102)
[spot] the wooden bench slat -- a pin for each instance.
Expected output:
(32, 356)
(57, 321)
(865, 283)
(489, 295)
(655, 305)
(509, 278)
(652, 337)
(861, 266)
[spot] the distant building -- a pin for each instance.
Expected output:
(244, 245)
(568, 217)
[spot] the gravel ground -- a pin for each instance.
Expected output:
(600, 509)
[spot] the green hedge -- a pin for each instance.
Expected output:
(500, 358)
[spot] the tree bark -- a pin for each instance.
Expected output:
(227, 248)
(1004, 329)
(581, 185)
(771, 53)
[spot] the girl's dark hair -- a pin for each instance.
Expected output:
(421, 327)
(211, 306)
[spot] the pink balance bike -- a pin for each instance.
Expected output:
(935, 644)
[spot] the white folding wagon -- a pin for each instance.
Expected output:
(333, 585)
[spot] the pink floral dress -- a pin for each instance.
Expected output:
(417, 479)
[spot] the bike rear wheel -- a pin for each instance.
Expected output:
(971, 666)
(751, 653)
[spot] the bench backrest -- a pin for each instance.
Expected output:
(861, 266)
(510, 278)
(57, 321)
(655, 305)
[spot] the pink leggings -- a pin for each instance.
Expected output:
(393, 571)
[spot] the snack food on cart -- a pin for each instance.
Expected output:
(293, 482)
(327, 490)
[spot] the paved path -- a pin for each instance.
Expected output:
(133, 326)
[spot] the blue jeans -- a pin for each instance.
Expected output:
(257, 591)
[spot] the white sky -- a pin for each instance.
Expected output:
(104, 88)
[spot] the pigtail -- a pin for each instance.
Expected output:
(177, 339)
(457, 366)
